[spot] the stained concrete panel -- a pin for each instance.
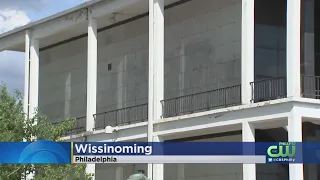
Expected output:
(202, 52)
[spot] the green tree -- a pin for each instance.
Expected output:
(15, 128)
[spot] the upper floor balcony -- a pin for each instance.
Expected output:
(212, 56)
(203, 64)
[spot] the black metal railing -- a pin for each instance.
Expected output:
(268, 89)
(310, 86)
(78, 128)
(128, 115)
(203, 101)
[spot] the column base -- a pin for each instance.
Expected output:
(91, 169)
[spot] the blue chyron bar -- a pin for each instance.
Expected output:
(39, 152)
(48, 152)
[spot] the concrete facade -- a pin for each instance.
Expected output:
(207, 45)
(202, 52)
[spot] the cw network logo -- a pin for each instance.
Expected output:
(284, 152)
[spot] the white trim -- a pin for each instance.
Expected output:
(224, 110)
(9, 42)
(221, 124)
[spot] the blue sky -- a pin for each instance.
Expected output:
(15, 13)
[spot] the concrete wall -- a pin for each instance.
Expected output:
(202, 52)
(62, 86)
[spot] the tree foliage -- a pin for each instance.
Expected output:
(15, 128)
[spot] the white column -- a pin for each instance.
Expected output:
(91, 169)
(34, 76)
(91, 79)
(247, 50)
(92, 72)
(295, 135)
(156, 67)
(181, 175)
(293, 47)
(157, 168)
(248, 135)
(119, 173)
(26, 74)
(34, 81)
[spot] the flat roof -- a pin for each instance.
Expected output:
(52, 17)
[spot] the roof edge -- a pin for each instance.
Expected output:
(50, 18)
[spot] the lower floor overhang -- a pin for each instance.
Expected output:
(264, 115)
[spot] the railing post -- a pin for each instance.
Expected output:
(95, 121)
(117, 116)
(270, 89)
(162, 105)
(104, 119)
(317, 87)
(192, 103)
(252, 91)
(208, 94)
(225, 97)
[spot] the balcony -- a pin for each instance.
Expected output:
(188, 104)
(78, 128)
(310, 86)
(123, 116)
(262, 90)
(204, 101)
(268, 89)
